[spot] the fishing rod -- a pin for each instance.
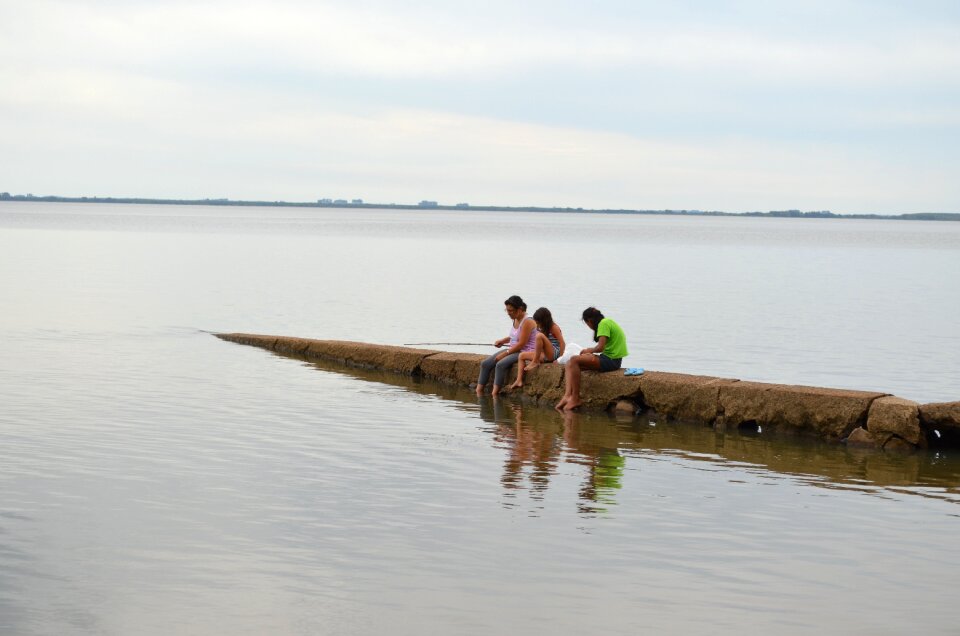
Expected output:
(472, 344)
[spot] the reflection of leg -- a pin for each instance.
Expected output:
(488, 410)
(571, 423)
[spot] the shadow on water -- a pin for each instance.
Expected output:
(538, 440)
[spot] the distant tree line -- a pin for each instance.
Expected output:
(324, 203)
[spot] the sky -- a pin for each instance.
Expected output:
(849, 106)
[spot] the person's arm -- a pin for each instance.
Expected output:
(525, 329)
(599, 347)
(558, 334)
(502, 341)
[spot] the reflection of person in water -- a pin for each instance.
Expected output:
(604, 464)
(532, 451)
(606, 473)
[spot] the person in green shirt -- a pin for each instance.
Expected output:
(606, 355)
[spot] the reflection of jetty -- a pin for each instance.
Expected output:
(551, 440)
(859, 417)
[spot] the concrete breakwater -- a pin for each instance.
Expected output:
(862, 418)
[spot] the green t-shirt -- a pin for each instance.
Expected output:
(616, 340)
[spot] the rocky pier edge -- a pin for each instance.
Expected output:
(859, 418)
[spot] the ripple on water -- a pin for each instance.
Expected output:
(150, 476)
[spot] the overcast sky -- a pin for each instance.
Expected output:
(752, 105)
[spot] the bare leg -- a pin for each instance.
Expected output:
(479, 390)
(572, 370)
(537, 351)
(543, 352)
(582, 361)
(549, 355)
(524, 356)
(566, 389)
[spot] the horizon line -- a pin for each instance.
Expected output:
(434, 205)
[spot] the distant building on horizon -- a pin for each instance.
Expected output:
(428, 204)
(340, 202)
(463, 205)
(325, 201)
(356, 202)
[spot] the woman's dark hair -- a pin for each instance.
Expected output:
(544, 319)
(593, 315)
(516, 302)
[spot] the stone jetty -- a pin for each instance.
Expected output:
(861, 418)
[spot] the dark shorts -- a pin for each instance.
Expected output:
(609, 364)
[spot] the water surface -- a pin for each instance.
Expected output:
(158, 480)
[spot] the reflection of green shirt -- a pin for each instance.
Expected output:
(608, 475)
(616, 340)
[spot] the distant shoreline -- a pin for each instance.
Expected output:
(820, 214)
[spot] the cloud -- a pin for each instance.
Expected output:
(269, 147)
(539, 104)
(393, 41)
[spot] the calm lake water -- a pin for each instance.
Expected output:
(157, 480)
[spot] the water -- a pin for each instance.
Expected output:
(157, 480)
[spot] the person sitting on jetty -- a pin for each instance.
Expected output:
(606, 355)
(550, 345)
(523, 337)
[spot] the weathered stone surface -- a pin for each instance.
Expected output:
(861, 438)
(890, 416)
(440, 366)
(681, 396)
(254, 340)
(399, 359)
(942, 416)
(600, 390)
(468, 369)
(455, 368)
(829, 413)
(292, 346)
(320, 348)
(545, 382)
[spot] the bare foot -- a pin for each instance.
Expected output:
(516, 385)
(572, 404)
(561, 404)
(496, 391)
(532, 366)
(479, 390)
